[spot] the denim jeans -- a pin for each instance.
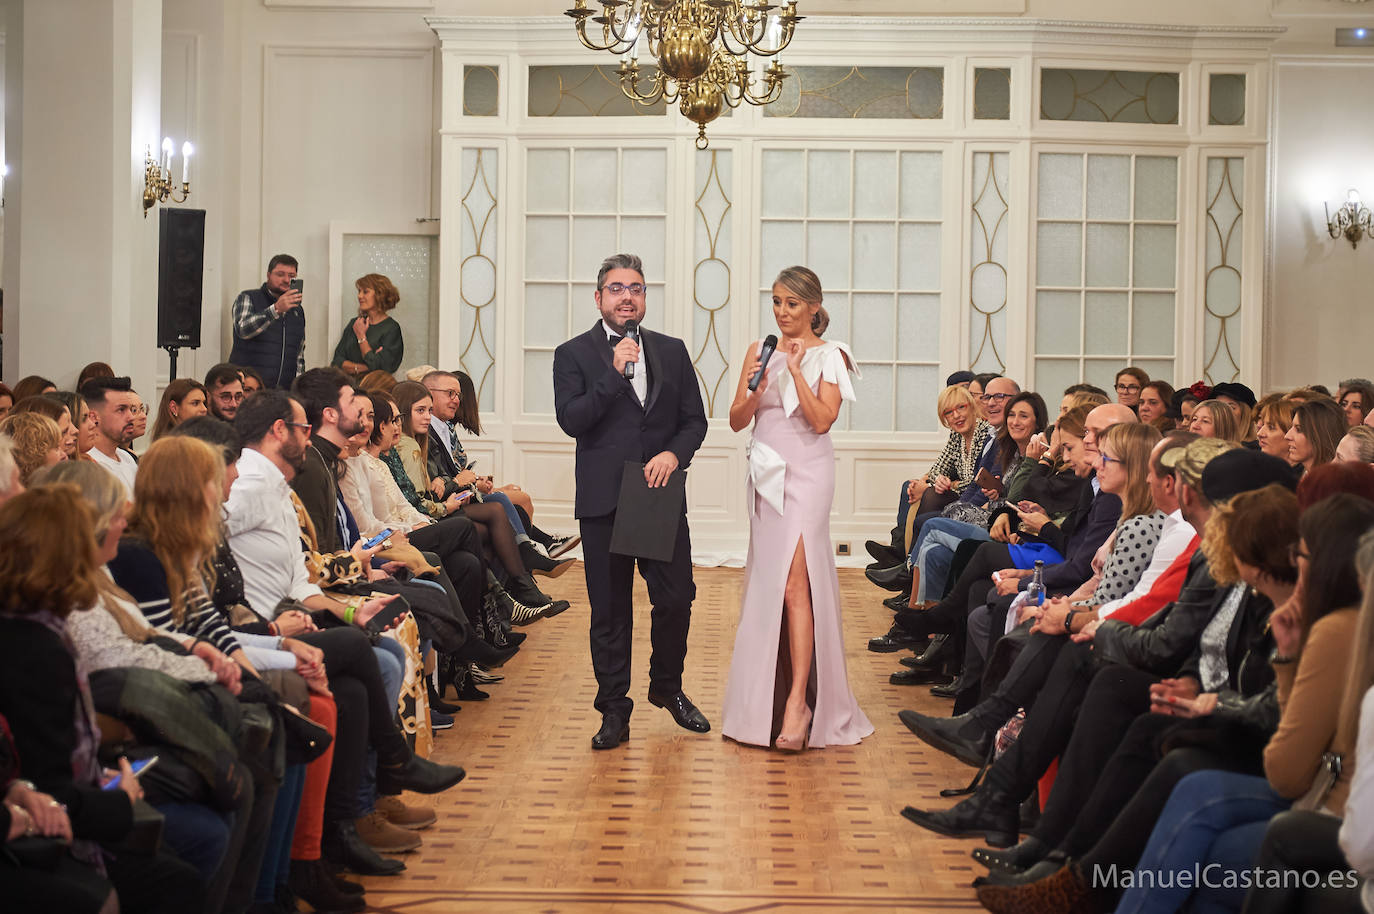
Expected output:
(276, 860)
(197, 834)
(933, 552)
(521, 534)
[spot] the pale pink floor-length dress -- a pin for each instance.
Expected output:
(791, 486)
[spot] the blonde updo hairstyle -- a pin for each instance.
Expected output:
(806, 285)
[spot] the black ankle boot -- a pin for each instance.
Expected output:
(539, 563)
(988, 812)
(522, 589)
(312, 883)
(1015, 859)
(435, 702)
(344, 846)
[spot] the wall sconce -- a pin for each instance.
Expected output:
(157, 176)
(1352, 220)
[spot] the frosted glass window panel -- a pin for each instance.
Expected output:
(584, 311)
(1114, 96)
(872, 409)
(593, 240)
(1060, 186)
(1152, 323)
(782, 245)
(595, 181)
(874, 253)
(827, 184)
(919, 257)
(481, 91)
(477, 271)
(1159, 369)
(1106, 322)
(1102, 372)
(546, 181)
(827, 253)
(407, 260)
(546, 247)
(539, 382)
(987, 342)
(918, 387)
(838, 307)
(1109, 187)
(578, 90)
(711, 284)
(1053, 375)
(644, 236)
(643, 180)
(1156, 187)
(991, 93)
(1226, 99)
(1155, 256)
(1059, 254)
(784, 179)
(546, 314)
(861, 92)
(1224, 230)
(873, 339)
(875, 175)
(922, 177)
(1057, 318)
(1108, 255)
(918, 328)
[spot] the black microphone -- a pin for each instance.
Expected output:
(770, 344)
(631, 333)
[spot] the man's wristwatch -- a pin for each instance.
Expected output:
(1068, 620)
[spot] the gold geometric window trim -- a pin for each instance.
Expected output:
(862, 92)
(481, 90)
(711, 281)
(477, 276)
(569, 90)
(988, 274)
(1222, 289)
(991, 93)
(1113, 96)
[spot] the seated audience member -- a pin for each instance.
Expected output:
(1356, 398)
(1357, 446)
(92, 371)
(10, 483)
(373, 341)
(50, 564)
(224, 389)
(32, 386)
(1185, 399)
(1130, 381)
(979, 385)
(1153, 408)
(35, 440)
(1357, 716)
(48, 405)
(113, 401)
(377, 382)
(959, 379)
(184, 398)
(1214, 419)
(140, 411)
(1273, 417)
(1307, 394)
(6, 400)
(1318, 426)
(252, 381)
(83, 417)
(1241, 400)
(1076, 395)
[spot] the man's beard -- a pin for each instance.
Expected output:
(294, 455)
(350, 425)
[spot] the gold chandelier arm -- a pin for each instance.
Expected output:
(630, 79)
(616, 33)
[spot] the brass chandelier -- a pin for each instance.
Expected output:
(701, 47)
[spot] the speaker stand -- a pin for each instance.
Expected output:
(172, 351)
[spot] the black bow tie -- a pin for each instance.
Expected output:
(614, 340)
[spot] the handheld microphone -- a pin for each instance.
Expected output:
(631, 333)
(770, 345)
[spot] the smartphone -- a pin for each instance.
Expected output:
(138, 767)
(378, 539)
(464, 495)
(298, 285)
(985, 480)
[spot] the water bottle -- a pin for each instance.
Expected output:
(1035, 590)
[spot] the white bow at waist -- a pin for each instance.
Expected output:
(767, 470)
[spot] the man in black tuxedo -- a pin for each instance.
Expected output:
(655, 419)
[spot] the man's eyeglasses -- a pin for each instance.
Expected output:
(449, 392)
(305, 426)
(225, 396)
(1128, 388)
(995, 398)
(616, 288)
(1295, 552)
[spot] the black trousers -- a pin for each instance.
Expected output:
(459, 547)
(610, 583)
(1029, 671)
(1303, 841)
(366, 715)
(1116, 699)
(969, 590)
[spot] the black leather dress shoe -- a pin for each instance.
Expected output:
(343, 845)
(417, 774)
(895, 640)
(614, 731)
(962, 736)
(1015, 859)
(1038, 871)
(898, 600)
(918, 677)
(884, 552)
(950, 689)
(987, 812)
(896, 578)
(683, 711)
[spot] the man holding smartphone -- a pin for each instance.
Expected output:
(269, 325)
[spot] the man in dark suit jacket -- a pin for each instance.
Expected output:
(655, 419)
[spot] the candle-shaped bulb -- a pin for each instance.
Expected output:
(166, 154)
(186, 150)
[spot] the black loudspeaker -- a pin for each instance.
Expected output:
(180, 272)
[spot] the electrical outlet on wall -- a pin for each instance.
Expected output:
(842, 549)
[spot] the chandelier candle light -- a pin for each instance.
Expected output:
(701, 47)
(157, 175)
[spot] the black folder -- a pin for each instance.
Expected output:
(646, 520)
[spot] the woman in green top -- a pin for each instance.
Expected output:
(373, 341)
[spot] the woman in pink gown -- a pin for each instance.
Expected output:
(788, 686)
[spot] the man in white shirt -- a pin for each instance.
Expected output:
(115, 404)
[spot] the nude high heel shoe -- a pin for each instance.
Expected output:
(795, 743)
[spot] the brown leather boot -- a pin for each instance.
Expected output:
(383, 837)
(403, 816)
(1066, 890)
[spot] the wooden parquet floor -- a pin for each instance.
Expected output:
(673, 821)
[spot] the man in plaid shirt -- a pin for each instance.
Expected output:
(269, 326)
